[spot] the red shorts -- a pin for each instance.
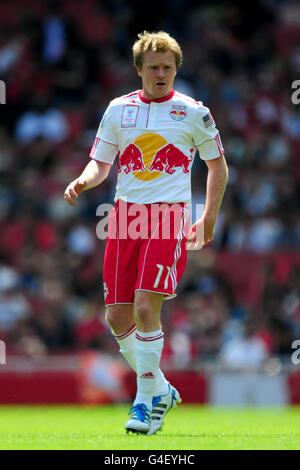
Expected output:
(145, 250)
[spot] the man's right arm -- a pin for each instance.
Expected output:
(94, 174)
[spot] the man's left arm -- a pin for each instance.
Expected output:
(202, 231)
(216, 183)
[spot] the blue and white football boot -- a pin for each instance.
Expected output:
(140, 419)
(161, 405)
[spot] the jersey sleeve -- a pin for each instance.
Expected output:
(206, 135)
(105, 147)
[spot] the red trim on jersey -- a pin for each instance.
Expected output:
(100, 161)
(219, 144)
(148, 115)
(95, 145)
(158, 100)
(130, 94)
(110, 143)
(188, 98)
(94, 150)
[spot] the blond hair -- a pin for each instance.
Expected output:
(156, 42)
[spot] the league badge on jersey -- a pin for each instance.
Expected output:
(129, 115)
(178, 113)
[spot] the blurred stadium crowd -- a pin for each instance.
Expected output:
(62, 63)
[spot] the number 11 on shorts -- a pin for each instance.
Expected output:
(159, 274)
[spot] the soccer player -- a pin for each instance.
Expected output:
(156, 131)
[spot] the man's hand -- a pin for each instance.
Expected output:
(74, 190)
(201, 233)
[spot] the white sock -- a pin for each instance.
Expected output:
(126, 342)
(148, 349)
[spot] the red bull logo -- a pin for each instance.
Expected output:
(150, 156)
(169, 158)
(178, 113)
(132, 159)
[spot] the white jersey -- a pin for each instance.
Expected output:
(156, 142)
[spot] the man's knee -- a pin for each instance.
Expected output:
(141, 312)
(109, 318)
(112, 317)
(119, 318)
(145, 313)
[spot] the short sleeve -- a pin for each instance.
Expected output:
(206, 135)
(105, 147)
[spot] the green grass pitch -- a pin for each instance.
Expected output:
(188, 427)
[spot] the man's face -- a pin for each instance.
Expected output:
(158, 74)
